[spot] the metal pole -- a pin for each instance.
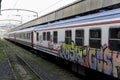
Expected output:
(10, 20)
(21, 10)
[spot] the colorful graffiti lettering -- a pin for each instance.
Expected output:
(103, 59)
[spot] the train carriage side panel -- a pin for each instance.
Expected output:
(32, 38)
(94, 45)
(24, 36)
(95, 52)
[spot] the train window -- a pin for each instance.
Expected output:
(37, 36)
(114, 39)
(79, 37)
(48, 36)
(24, 35)
(95, 38)
(29, 35)
(55, 37)
(44, 35)
(68, 36)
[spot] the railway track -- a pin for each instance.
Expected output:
(19, 70)
(41, 74)
(25, 63)
(33, 65)
(10, 65)
(6, 72)
(35, 69)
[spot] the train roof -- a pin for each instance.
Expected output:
(23, 30)
(103, 15)
(98, 17)
(62, 26)
(42, 28)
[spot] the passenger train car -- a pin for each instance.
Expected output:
(92, 41)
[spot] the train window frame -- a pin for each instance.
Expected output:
(37, 36)
(68, 37)
(24, 35)
(95, 39)
(79, 38)
(48, 36)
(44, 36)
(29, 35)
(114, 38)
(55, 37)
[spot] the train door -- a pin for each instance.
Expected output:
(14, 36)
(32, 38)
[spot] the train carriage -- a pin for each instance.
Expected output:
(22, 36)
(92, 41)
(94, 45)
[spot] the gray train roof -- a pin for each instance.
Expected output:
(23, 30)
(103, 15)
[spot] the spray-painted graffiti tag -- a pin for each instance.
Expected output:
(103, 59)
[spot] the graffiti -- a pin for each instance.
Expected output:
(41, 40)
(103, 59)
(107, 60)
(50, 43)
(116, 64)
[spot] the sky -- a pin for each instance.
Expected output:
(42, 7)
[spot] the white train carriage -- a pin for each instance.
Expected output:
(11, 35)
(24, 36)
(92, 41)
(94, 45)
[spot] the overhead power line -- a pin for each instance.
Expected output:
(15, 3)
(51, 5)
